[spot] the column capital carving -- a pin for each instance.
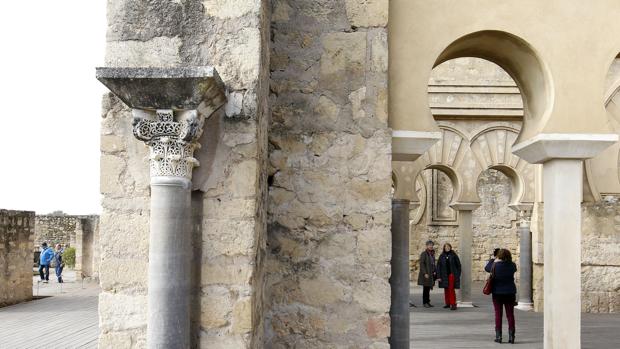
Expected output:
(171, 142)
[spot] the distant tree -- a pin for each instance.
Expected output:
(69, 257)
(58, 213)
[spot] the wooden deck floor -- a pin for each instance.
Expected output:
(64, 320)
(439, 328)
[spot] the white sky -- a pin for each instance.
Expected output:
(51, 102)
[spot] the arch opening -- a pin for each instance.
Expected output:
(519, 60)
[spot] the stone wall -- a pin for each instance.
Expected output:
(16, 243)
(600, 257)
(330, 176)
(80, 232)
(230, 186)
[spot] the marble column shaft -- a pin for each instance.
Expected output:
(465, 255)
(562, 223)
(525, 263)
(399, 280)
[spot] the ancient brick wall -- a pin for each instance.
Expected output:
(228, 203)
(330, 176)
(16, 243)
(55, 230)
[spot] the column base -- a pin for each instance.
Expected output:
(465, 304)
(525, 306)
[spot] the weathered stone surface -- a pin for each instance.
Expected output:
(16, 246)
(367, 13)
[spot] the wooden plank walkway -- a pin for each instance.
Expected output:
(60, 320)
(440, 328)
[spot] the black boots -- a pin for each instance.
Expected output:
(498, 336)
(511, 336)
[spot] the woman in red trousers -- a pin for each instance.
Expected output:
(449, 275)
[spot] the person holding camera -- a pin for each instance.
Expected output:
(504, 291)
(449, 275)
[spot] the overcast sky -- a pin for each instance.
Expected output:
(51, 101)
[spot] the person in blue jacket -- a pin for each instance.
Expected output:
(47, 254)
(504, 291)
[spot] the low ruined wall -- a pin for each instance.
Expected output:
(16, 242)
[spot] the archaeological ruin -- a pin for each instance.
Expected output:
(271, 171)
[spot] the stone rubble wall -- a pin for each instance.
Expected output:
(80, 232)
(230, 186)
(16, 243)
(329, 209)
(600, 257)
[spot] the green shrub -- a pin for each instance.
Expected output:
(69, 257)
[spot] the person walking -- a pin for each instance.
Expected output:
(449, 275)
(45, 258)
(60, 265)
(504, 291)
(428, 273)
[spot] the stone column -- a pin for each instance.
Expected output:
(526, 302)
(561, 156)
(165, 105)
(465, 243)
(399, 280)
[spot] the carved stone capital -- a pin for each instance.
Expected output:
(171, 138)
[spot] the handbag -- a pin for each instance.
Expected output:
(488, 286)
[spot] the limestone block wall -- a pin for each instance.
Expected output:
(55, 230)
(600, 257)
(329, 207)
(230, 186)
(16, 242)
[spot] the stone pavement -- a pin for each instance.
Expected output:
(439, 328)
(64, 318)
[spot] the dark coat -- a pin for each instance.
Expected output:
(504, 280)
(426, 267)
(449, 259)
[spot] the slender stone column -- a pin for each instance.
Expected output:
(172, 137)
(399, 281)
(171, 145)
(526, 302)
(465, 242)
(562, 158)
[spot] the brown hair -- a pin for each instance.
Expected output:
(504, 255)
(444, 247)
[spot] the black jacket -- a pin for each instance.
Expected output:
(504, 280)
(449, 261)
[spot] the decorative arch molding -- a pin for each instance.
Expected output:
(491, 145)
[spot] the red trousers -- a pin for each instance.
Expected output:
(504, 302)
(449, 293)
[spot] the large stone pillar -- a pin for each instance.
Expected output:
(165, 105)
(466, 227)
(399, 280)
(526, 302)
(562, 158)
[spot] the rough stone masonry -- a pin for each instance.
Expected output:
(16, 241)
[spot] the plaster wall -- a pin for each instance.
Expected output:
(16, 242)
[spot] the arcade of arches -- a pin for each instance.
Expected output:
(288, 234)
